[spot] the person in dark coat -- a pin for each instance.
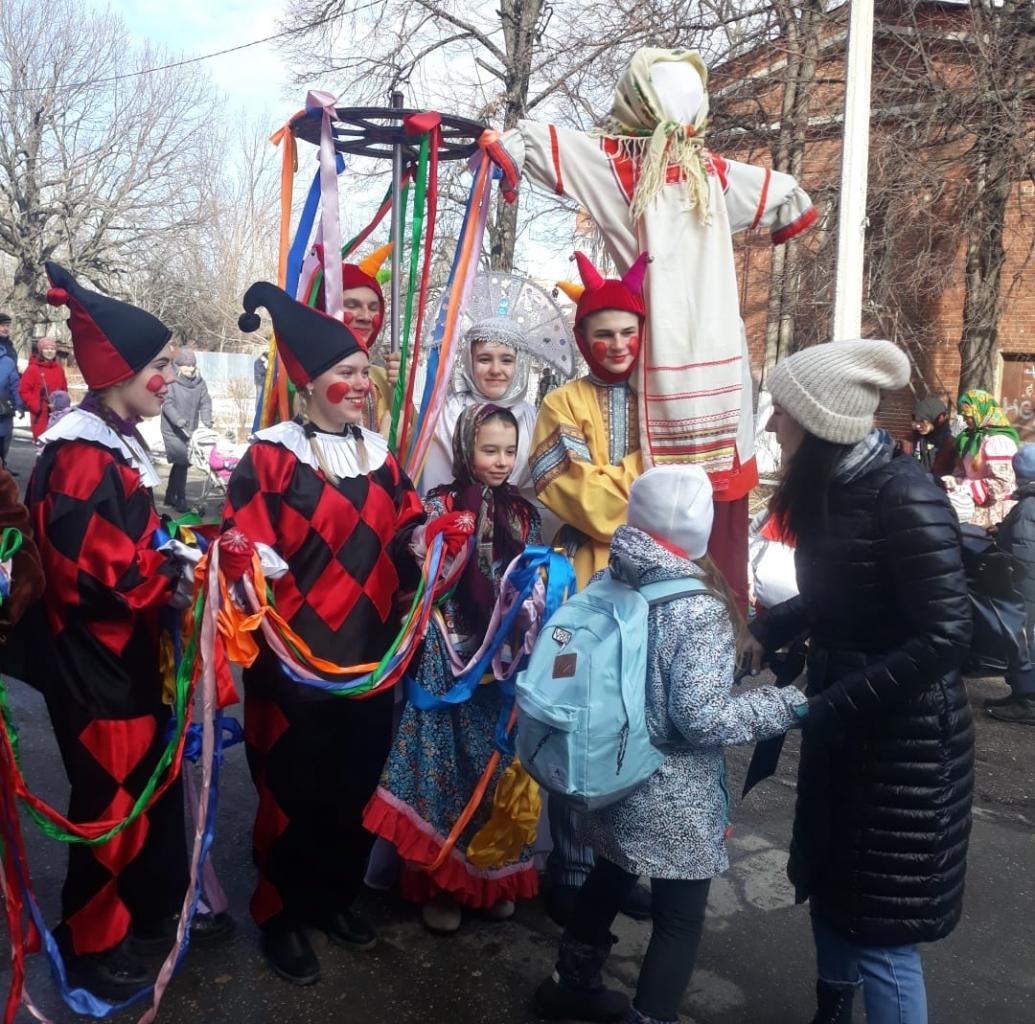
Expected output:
(931, 442)
(886, 774)
(1017, 537)
(10, 378)
(187, 405)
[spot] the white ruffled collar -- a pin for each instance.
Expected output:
(80, 425)
(339, 451)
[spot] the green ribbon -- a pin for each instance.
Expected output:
(419, 203)
(183, 680)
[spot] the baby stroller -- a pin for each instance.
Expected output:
(216, 456)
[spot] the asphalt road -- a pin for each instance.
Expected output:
(755, 964)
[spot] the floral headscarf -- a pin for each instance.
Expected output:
(989, 419)
(502, 516)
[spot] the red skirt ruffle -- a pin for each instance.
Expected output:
(419, 846)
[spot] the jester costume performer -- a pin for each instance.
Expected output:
(339, 511)
(99, 668)
(364, 306)
(586, 446)
(440, 754)
(649, 183)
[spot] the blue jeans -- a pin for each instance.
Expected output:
(1023, 683)
(892, 977)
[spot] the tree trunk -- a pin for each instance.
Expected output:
(982, 302)
(801, 28)
(519, 18)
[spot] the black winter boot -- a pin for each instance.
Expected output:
(835, 1003)
(577, 991)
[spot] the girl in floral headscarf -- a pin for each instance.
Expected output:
(986, 450)
(440, 754)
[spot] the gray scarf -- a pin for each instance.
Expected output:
(873, 451)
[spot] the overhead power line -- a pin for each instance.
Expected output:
(192, 60)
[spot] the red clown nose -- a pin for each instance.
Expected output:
(155, 383)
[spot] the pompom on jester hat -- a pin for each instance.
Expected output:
(309, 342)
(598, 294)
(112, 340)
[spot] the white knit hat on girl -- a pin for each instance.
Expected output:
(674, 504)
(833, 389)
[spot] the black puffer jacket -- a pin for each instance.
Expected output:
(1017, 536)
(886, 774)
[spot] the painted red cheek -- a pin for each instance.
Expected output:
(599, 350)
(155, 384)
(347, 317)
(337, 392)
(634, 347)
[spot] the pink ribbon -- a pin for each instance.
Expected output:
(526, 625)
(330, 229)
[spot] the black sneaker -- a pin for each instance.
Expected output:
(1020, 710)
(347, 928)
(206, 930)
(556, 1001)
(115, 975)
(289, 955)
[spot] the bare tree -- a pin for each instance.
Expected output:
(962, 91)
(96, 164)
(194, 279)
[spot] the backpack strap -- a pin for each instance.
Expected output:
(665, 591)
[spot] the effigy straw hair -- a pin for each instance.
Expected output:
(644, 135)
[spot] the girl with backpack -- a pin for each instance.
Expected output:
(440, 754)
(673, 827)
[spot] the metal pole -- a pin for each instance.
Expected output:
(855, 159)
(397, 160)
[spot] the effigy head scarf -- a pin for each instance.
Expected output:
(658, 117)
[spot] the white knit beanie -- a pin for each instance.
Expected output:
(674, 504)
(833, 389)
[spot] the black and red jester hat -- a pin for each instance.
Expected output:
(112, 340)
(309, 341)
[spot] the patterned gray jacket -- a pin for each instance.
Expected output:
(674, 826)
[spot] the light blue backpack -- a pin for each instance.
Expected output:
(581, 726)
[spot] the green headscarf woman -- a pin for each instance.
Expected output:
(986, 450)
(985, 418)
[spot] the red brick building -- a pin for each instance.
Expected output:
(915, 259)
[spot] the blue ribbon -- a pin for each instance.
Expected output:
(560, 581)
(80, 1000)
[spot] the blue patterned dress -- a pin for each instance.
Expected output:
(438, 759)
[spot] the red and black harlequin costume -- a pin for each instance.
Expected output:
(339, 511)
(95, 522)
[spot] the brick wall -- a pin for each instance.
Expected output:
(929, 304)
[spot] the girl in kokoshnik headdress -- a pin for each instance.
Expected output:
(330, 499)
(364, 304)
(986, 450)
(439, 755)
(94, 519)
